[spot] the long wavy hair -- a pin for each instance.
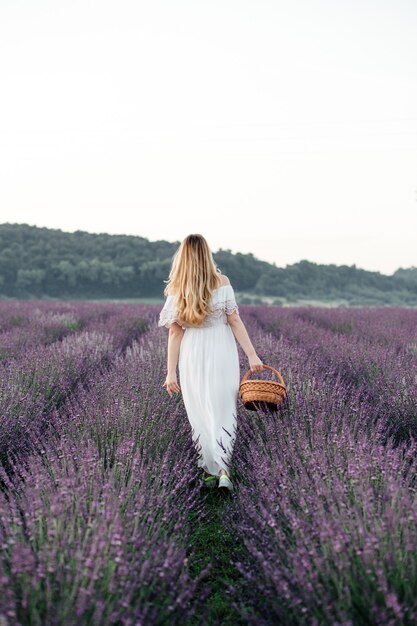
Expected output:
(193, 277)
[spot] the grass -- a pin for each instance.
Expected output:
(212, 542)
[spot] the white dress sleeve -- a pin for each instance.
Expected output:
(168, 314)
(230, 305)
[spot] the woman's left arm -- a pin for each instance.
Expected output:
(175, 336)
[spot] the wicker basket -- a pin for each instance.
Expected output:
(257, 392)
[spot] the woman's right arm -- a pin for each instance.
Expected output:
(241, 334)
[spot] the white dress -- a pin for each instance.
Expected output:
(209, 378)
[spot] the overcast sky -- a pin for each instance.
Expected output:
(285, 129)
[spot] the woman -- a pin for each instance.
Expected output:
(203, 320)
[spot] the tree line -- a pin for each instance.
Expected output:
(42, 262)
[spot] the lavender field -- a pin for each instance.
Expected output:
(103, 516)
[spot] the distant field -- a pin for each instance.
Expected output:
(103, 516)
(242, 298)
(266, 300)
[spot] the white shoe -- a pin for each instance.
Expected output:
(225, 482)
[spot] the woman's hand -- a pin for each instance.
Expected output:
(255, 363)
(171, 384)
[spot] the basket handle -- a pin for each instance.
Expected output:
(268, 367)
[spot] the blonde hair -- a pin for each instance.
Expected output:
(193, 277)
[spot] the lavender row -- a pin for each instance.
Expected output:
(23, 313)
(386, 376)
(29, 325)
(31, 386)
(393, 327)
(95, 527)
(326, 511)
